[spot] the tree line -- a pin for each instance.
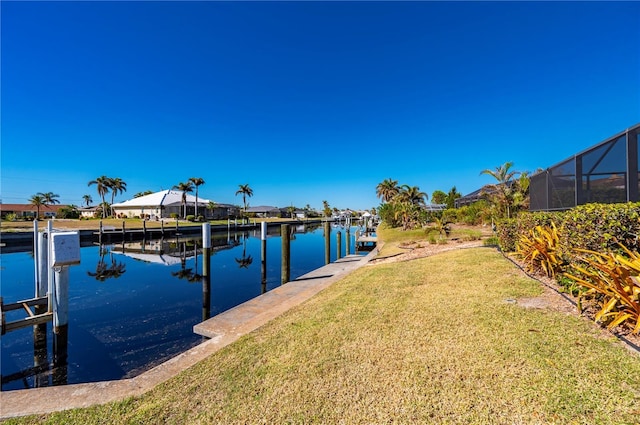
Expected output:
(405, 206)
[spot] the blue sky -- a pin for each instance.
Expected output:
(306, 101)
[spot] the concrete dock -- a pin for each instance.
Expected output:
(222, 330)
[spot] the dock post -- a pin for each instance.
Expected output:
(206, 270)
(61, 326)
(286, 251)
(347, 242)
(40, 362)
(327, 242)
(144, 228)
(338, 245)
(263, 255)
(42, 261)
(50, 283)
(123, 231)
(35, 256)
(162, 227)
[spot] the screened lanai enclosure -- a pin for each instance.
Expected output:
(607, 173)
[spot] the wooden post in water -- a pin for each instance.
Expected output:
(123, 231)
(263, 255)
(327, 242)
(347, 241)
(286, 251)
(338, 245)
(144, 228)
(162, 227)
(206, 270)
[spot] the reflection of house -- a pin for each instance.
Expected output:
(29, 211)
(162, 204)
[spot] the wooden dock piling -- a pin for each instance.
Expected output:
(286, 251)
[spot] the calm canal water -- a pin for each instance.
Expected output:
(133, 306)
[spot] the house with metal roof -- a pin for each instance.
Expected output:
(167, 202)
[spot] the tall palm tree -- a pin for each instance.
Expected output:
(87, 199)
(184, 188)
(117, 185)
(197, 181)
(37, 200)
(50, 198)
(245, 190)
(411, 195)
(387, 190)
(502, 190)
(103, 183)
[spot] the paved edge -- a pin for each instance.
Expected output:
(223, 330)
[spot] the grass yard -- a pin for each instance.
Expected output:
(431, 340)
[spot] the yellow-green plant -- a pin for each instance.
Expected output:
(539, 250)
(615, 278)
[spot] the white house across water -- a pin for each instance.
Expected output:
(163, 204)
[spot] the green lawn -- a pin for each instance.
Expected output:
(426, 341)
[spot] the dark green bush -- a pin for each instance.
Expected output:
(599, 227)
(68, 212)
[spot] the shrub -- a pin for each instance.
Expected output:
(539, 250)
(191, 217)
(601, 228)
(612, 279)
(10, 217)
(68, 212)
(174, 215)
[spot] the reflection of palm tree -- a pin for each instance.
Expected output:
(246, 260)
(104, 272)
(187, 274)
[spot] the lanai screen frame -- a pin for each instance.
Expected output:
(598, 174)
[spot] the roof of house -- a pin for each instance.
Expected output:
(30, 207)
(262, 209)
(164, 197)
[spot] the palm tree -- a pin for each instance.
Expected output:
(49, 198)
(387, 190)
(37, 201)
(103, 184)
(452, 196)
(184, 188)
(197, 181)
(117, 185)
(211, 206)
(145, 193)
(411, 195)
(245, 190)
(502, 190)
(87, 199)
(326, 209)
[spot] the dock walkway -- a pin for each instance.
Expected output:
(223, 329)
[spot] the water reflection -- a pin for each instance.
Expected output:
(103, 271)
(165, 287)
